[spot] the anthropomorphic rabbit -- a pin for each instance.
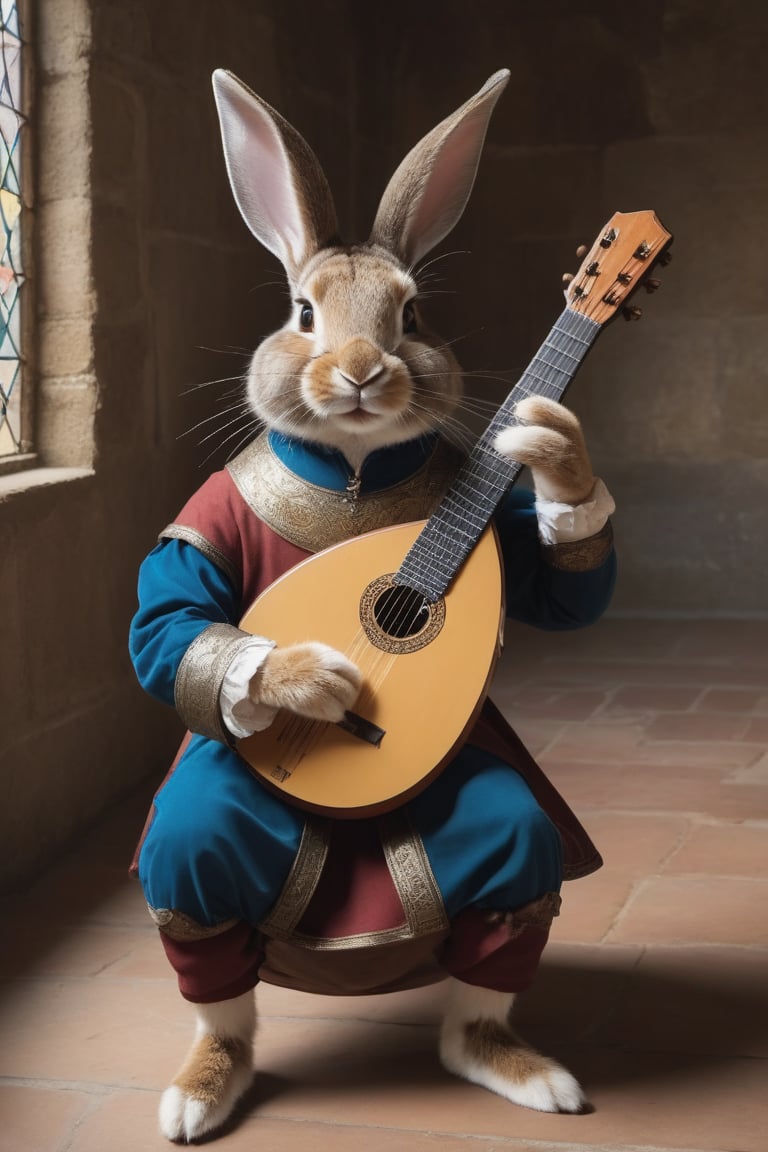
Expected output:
(355, 395)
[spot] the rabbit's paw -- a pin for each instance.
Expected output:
(217, 1072)
(486, 1053)
(548, 438)
(310, 679)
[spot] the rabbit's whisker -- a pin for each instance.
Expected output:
(243, 420)
(437, 292)
(432, 348)
(231, 350)
(454, 431)
(464, 397)
(223, 427)
(244, 440)
(417, 273)
(271, 284)
(209, 383)
(250, 429)
(490, 374)
(208, 419)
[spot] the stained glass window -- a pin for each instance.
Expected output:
(11, 220)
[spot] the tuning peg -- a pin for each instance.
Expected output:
(567, 277)
(652, 285)
(631, 312)
(581, 251)
(665, 258)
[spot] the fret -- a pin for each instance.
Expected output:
(561, 351)
(546, 380)
(452, 531)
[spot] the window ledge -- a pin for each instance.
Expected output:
(17, 462)
(18, 482)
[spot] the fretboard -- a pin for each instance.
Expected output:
(455, 527)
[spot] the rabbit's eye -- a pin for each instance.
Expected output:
(409, 319)
(307, 318)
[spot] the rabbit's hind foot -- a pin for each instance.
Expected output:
(217, 1072)
(478, 1044)
(501, 1062)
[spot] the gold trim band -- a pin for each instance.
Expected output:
(204, 545)
(538, 914)
(301, 883)
(581, 555)
(412, 875)
(314, 518)
(181, 927)
(199, 678)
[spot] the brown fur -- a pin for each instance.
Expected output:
(209, 1066)
(359, 360)
(304, 678)
(550, 441)
(358, 296)
(504, 1052)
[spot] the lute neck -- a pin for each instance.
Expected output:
(454, 528)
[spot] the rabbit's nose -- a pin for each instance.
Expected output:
(360, 362)
(360, 384)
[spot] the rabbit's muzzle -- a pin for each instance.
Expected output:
(358, 378)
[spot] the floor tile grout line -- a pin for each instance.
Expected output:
(87, 1087)
(93, 1106)
(526, 1144)
(636, 888)
(683, 838)
(625, 957)
(660, 946)
(703, 820)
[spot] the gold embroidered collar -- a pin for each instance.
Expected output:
(314, 518)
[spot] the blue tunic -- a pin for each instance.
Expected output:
(221, 846)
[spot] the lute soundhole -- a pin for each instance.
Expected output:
(397, 619)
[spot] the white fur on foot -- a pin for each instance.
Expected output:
(553, 1089)
(216, 1073)
(477, 1045)
(182, 1117)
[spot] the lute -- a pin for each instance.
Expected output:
(419, 607)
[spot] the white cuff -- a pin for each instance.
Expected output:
(241, 715)
(564, 523)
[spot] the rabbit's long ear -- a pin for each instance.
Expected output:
(429, 191)
(276, 178)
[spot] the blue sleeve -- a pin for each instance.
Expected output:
(537, 593)
(180, 593)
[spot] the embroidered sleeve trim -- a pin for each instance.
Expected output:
(204, 545)
(199, 679)
(538, 914)
(581, 555)
(181, 927)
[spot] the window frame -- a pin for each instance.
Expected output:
(61, 388)
(26, 456)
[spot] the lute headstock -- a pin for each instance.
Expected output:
(622, 258)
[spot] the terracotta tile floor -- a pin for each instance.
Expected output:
(653, 988)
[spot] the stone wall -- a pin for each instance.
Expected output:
(150, 287)
(659, 105)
